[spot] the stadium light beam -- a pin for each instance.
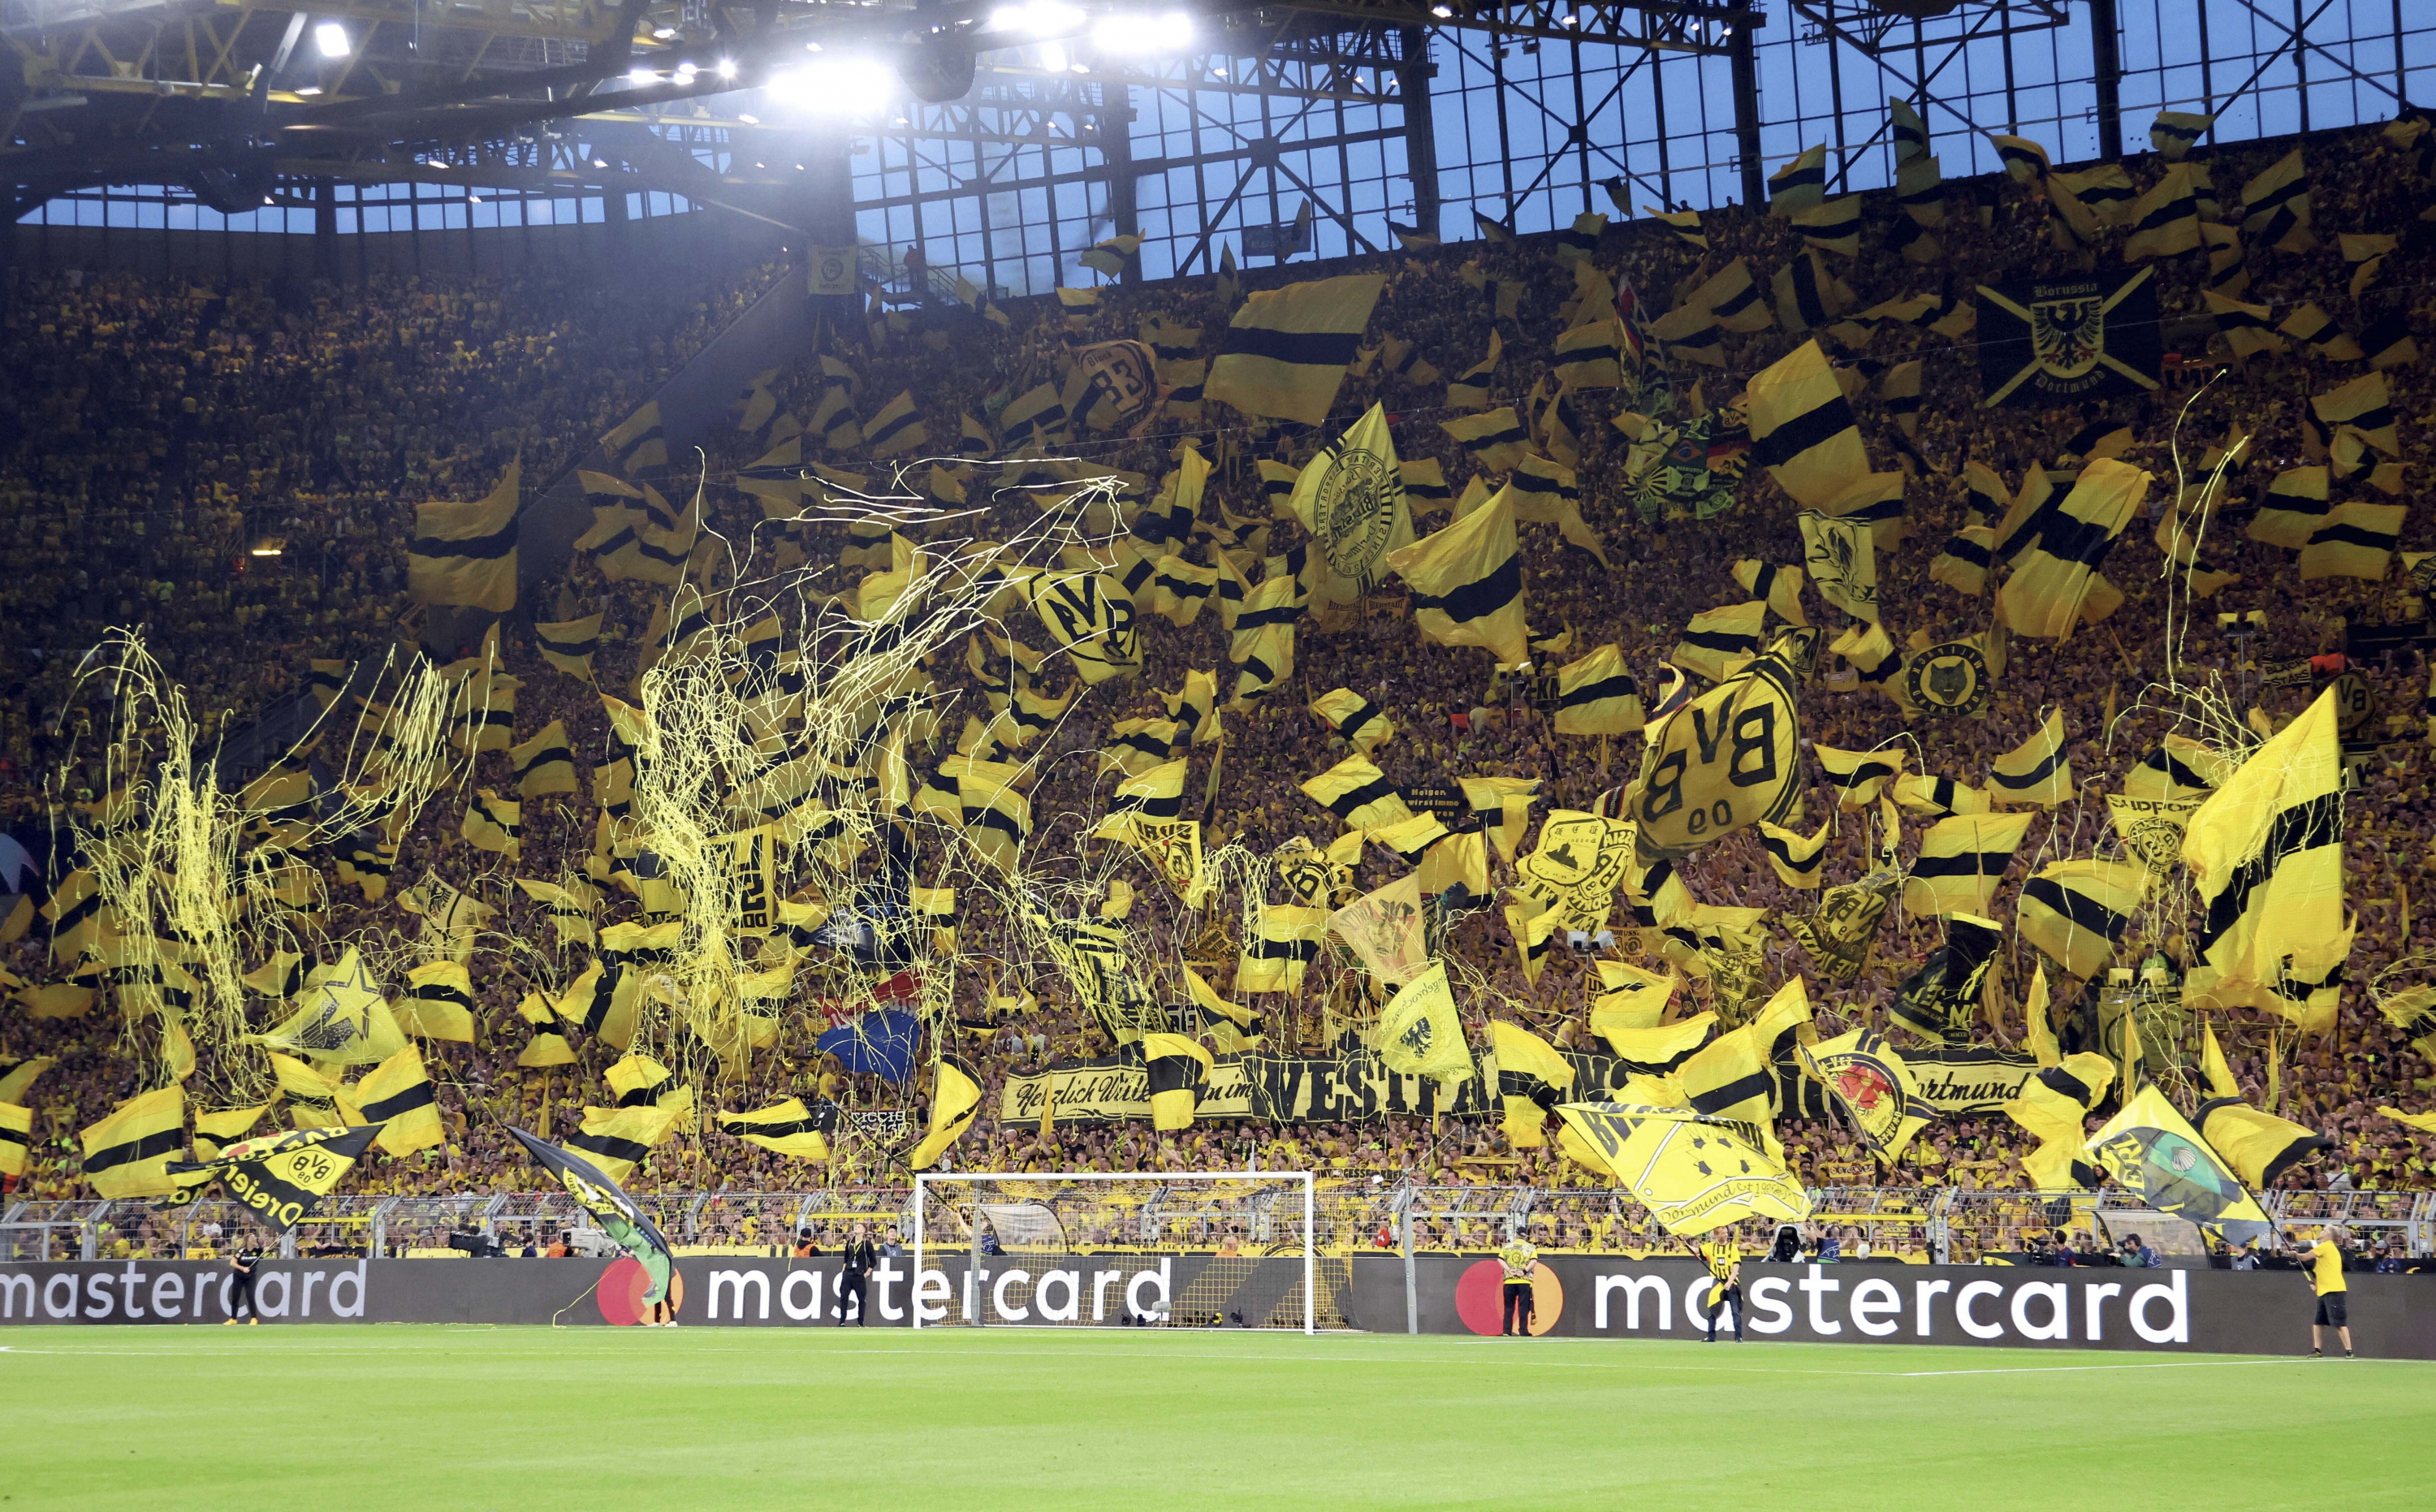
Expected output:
(1039, 18)
(1137, 33)
(835, 85)
(331, 40)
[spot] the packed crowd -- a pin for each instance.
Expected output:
(151, 433)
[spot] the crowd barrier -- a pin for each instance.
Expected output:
(2179, 1310)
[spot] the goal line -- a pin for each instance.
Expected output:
(1106, 1249)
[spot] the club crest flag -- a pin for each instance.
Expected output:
(1420, 1032)
(1692, 1174)
(2153, 1151)
(2052, 341)
(1385, 930)
(1351, 500)
(1873, 1085)
(1842, 556)
(1126, 374)
(282, 1178)
(1580, 860)
(1728, 760)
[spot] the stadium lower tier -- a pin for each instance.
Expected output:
(2173, 1309)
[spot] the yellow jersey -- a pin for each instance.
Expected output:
(1518, 1257)
(2326, 1268)
(1722, 1258)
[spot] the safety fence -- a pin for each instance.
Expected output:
(1923, 1226)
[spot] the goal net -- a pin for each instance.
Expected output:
(1197, 1250)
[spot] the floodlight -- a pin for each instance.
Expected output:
(332, 39)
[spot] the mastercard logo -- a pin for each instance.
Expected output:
(1480, 1298)
(622, 1288)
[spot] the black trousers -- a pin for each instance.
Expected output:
(241, 1298)
(1733, 1298)
(853, 1288)
(1517, 1308)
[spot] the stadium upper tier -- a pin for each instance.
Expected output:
(158, 436)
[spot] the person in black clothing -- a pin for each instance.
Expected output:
(860, 1258)
(1788, 1246)
(244, 1262)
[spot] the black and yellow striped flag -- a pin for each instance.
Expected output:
(1355, 720)
(493, 823)
(2023, 160)
(1717, 639)
(2365, 405)
(438, 1002)
(1920, 188)
(785, 1128)
(2057, 585)
(2292, 507)
(898, 428)
(2258, 1146)
(16, 1138)
(1800, 185)
(1832, 226)
(2173, 132)
(1178, 1068)
(1466, 582)
(1496, 438)
(464, 555)
(2035, 771)
(1940, 999)
(1962, 858)
(1469, 389)
(2166, 220)
(1286, 350)
(570, 644)
(955, 1100)
(2355, 540)
(637, 442)
(544, 765)
(2266, 857)
(127, 1152)
(1800, 860)
(1596, 695)
(616, 1140)
(1359, 794)
(1730, 1077)
(222, 1127)
(1402, 358)
(1532, 1081)
(1803, 430)
(2275, 205)
(2077, 911)
(1733, 297)
(397, 1095)
(547, 1047)
(1590, 356)
(1808, 294)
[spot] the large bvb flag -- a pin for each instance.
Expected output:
(610, 1207)
(464, 555)
(1351, 500)
(282, 1178)
(1729, 759)
(2043, 341)
(1287, 348)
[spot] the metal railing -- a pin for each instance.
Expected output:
(1940, 1225)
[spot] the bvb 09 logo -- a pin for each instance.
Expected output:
(1347, 513)
(1951, 679)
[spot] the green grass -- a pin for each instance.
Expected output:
(460, 1420)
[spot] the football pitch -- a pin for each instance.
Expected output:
(472, 1418)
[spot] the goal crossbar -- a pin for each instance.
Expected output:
(925, 1182)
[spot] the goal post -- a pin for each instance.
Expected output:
(1089, 1248)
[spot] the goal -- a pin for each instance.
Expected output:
(1196, 1249)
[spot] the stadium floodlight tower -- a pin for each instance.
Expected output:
(1082, 1248)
